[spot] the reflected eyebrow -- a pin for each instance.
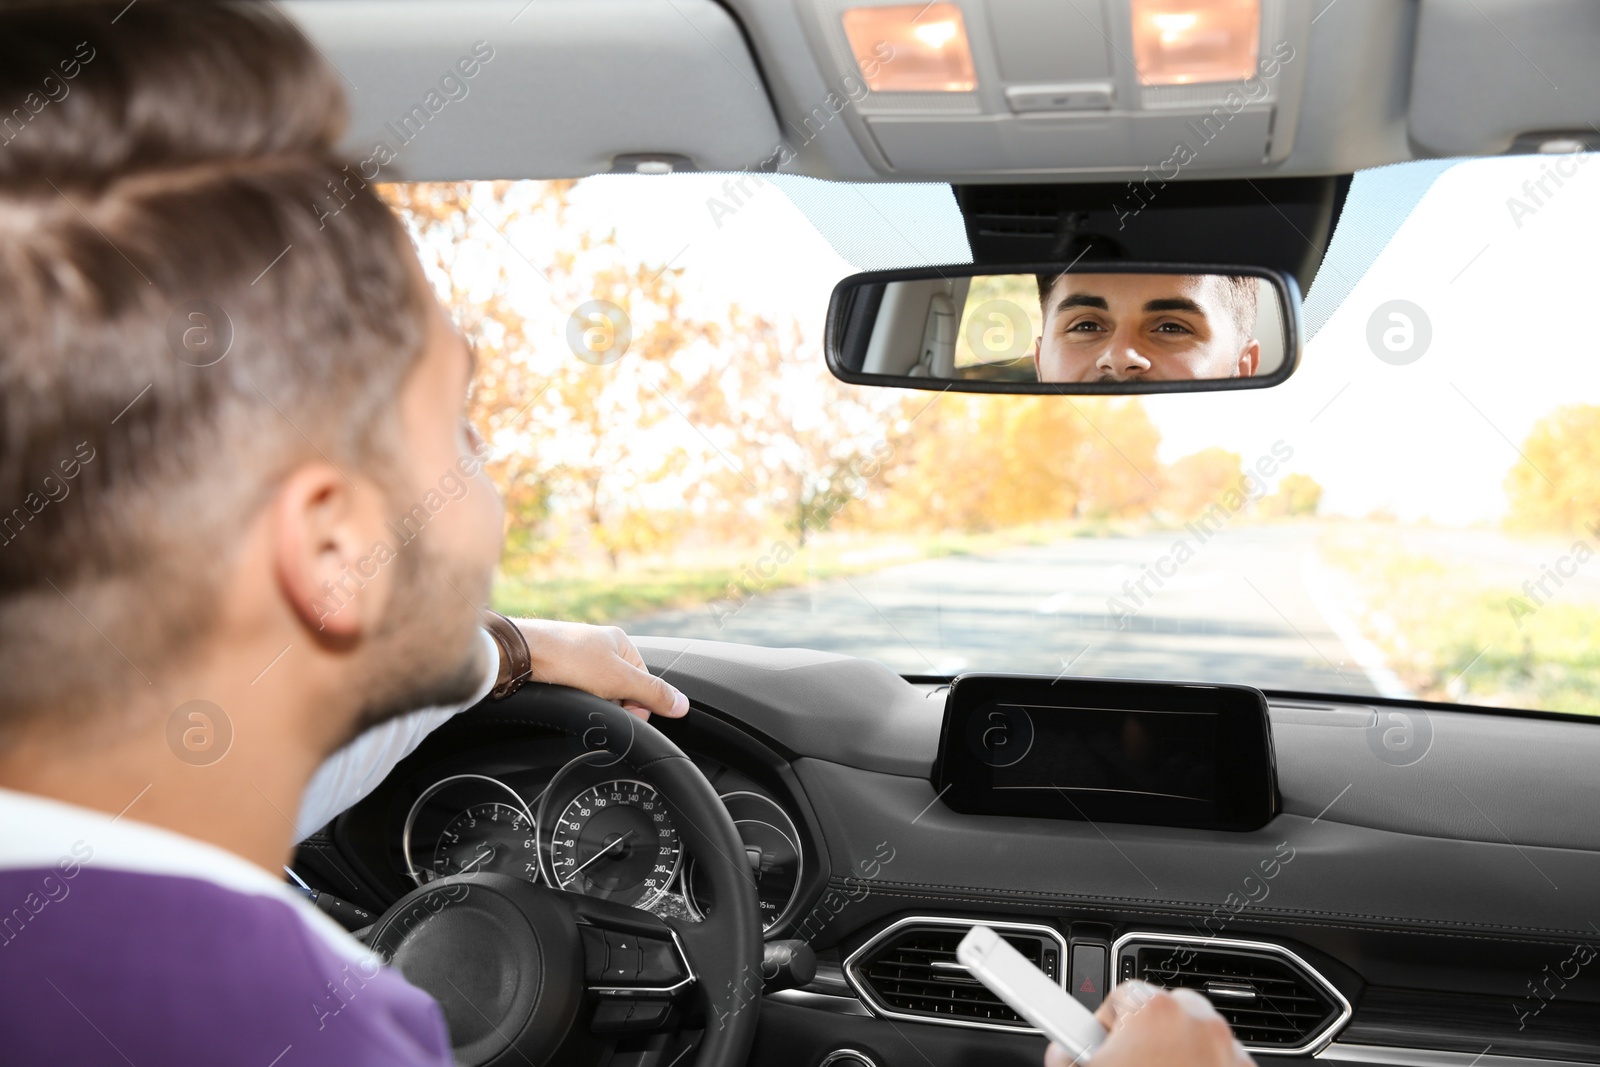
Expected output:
(1175, 303)
(1083, 300)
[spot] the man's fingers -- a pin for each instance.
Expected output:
(1056, 1056)
(599, 660)
(645, 691)
(655, 695)
(1123, 1001)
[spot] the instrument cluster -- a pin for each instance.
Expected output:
(590, 830)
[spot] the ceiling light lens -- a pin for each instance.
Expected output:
(936, 34)
(912, 48)
(1184, 42)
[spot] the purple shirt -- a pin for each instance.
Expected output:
(121, 943)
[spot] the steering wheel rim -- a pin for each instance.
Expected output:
(446, 935)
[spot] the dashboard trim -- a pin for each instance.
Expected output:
(1396, 1056)
(829, 1002)
(793, 835)
(847, 1054)
(1271, 948)
(863, 990)
(433, 790)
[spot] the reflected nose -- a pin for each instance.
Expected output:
(1121, 361)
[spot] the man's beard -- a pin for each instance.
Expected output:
(425, 652)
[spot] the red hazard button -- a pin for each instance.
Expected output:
(1089, 974)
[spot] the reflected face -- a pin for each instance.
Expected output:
(1144, 327)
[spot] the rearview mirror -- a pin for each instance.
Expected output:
(1044, 328)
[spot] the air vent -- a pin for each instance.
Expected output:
(909, 971)
(1275, 1001)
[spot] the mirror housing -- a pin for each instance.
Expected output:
(1124, 328)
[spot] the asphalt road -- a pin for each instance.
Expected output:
(1249, 605)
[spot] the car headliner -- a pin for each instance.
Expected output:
(577, 87)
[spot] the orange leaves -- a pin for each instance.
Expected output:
(1556, 486)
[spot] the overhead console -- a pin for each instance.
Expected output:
(1032, 86)
(1165, 754)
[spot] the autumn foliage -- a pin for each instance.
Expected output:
(719, 429)
(1556, 487)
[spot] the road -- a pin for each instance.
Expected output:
(1249, 605)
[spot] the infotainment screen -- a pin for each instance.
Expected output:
(1107, 751)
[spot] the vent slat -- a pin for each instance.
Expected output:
(901, 975)
(1290, 1009)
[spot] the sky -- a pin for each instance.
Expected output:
(1503, 275)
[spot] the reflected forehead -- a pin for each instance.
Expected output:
(1131, 287)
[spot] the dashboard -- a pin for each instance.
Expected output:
(1434, 912)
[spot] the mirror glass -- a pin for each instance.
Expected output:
(1105, 328)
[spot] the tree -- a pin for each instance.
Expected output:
(804, 439)
(1119, 471)
(710, 429)
(1198, 480)
(1297, 495)
(1557, 486)
(584, 413)
(975, 462)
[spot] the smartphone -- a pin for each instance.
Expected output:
(1030, 993)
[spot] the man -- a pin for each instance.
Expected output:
(252, 536)
(1146, 327)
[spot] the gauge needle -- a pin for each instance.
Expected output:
(597, 855)
(480, 858)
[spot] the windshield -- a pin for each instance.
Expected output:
(1413, 514)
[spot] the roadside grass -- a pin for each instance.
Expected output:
(1450, 638)
(640, 589)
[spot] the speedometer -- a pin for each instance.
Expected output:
(616, 841)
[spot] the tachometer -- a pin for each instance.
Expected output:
(488, 837)
(616, 841)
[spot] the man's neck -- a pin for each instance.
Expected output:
(244, 800)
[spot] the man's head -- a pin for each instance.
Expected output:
(1146, 327)
(232, 407)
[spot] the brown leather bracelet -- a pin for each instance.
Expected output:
(516, 661)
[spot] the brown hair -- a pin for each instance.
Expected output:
(182, 320)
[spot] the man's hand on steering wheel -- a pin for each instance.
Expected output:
(599, 660)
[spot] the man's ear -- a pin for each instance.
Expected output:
(1033, 354)
(324, 529)
(1249, 359)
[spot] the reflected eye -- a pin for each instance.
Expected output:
(1085, 326)
(1173, 327)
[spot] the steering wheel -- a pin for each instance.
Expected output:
(530, 974)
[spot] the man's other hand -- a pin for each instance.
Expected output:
(599, 660)
(1150, 1027)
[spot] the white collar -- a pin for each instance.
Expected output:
(41, 832)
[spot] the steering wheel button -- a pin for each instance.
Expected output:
(622, 962)
(595, 953)
(611, 1017)
(647, 1015)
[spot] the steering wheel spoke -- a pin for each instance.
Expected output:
(635, 973)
